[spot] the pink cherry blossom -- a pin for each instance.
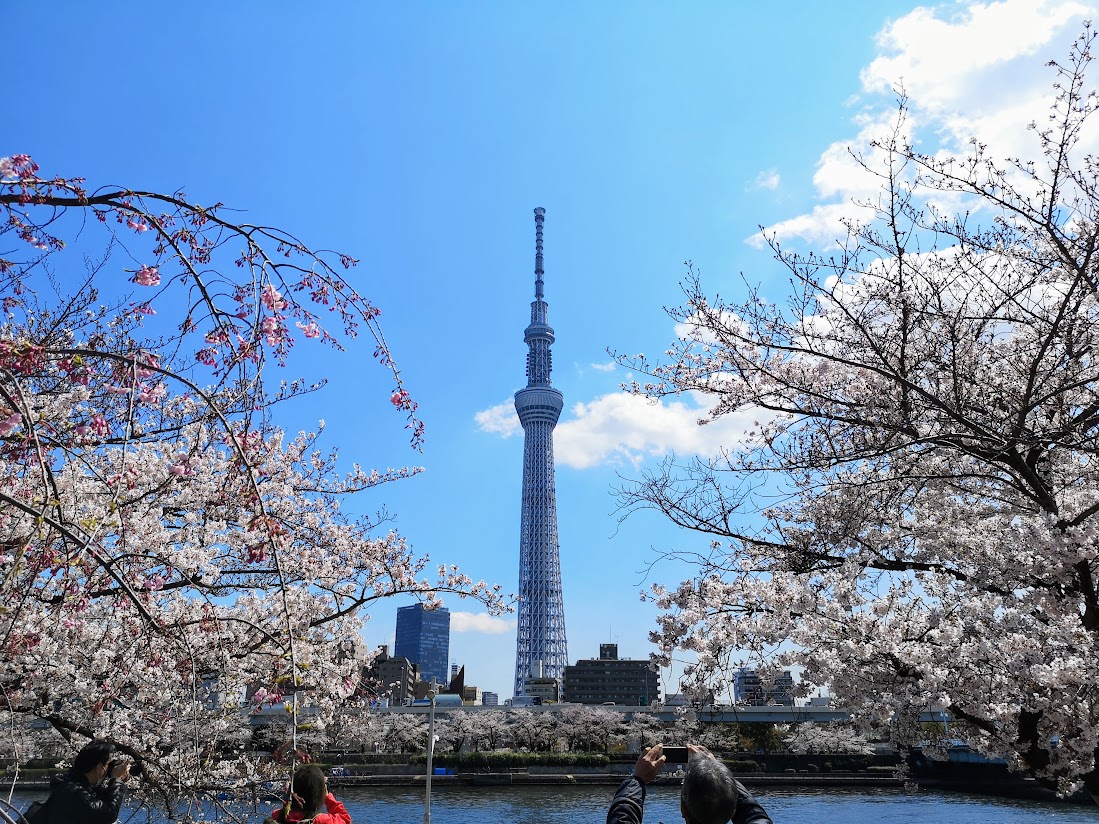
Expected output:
(147, 276)
(150, 500)
(910, 514)
(273, 330)
(272, 298)
(10, 424)
(151, 393)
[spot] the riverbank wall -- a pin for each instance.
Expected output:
(941, 776)
(548, 777)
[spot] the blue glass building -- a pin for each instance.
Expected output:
(423, 637)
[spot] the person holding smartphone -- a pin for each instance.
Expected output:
(710, 794)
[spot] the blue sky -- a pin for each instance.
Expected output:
(419, 137)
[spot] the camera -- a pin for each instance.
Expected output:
(135, 767)
(675, 755)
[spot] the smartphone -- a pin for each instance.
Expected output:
(675, 755)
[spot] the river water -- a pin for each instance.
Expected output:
(571, 805)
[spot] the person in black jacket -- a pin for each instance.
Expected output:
(710, 794)
(85, 794)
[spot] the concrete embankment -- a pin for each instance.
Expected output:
(564, 779)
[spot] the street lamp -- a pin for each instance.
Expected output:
(430, 753)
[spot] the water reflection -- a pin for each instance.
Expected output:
(568, 805)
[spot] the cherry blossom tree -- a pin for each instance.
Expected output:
(460, 728)
(719, 736)
(492, 729)
(534, 729)
(607, 727)
(834, 738)
(914, 520)
(355, 727)
(575, 725)
(164, 545)
(590, 728)
(645, 730)
(404, 732)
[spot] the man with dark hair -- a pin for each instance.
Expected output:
(86, 794)
(710, 794)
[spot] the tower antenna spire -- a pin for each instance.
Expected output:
(539, 217)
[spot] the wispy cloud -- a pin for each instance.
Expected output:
(480, 622)
(609, 366)
(500, 419)
(768, 180)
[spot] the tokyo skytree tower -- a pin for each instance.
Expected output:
(540, 649)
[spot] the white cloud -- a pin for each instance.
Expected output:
(500, 419)
(979, 73)
(480, 622)
(767, 179)
(693, 328)
(609, 366)
(821, 227)
(620, 428)
(623, 428)
(945, 63)
(976, 72)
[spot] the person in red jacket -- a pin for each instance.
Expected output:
(310, 801)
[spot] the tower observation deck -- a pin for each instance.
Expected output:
(540, 649)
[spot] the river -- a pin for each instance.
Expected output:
(570, 805)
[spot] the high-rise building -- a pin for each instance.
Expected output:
(610, 679)
(423, 637)
(472, 695)
(540, 648)
(547, 689)
(749, 688)
(389, 678)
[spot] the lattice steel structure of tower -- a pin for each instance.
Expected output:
(541, 650)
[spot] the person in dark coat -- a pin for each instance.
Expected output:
(86, 794)
(710, 794)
